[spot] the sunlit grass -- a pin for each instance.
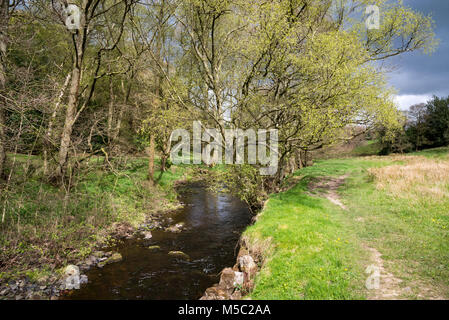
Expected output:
(43, 226)
(318, 250)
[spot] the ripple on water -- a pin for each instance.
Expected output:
(213, 225)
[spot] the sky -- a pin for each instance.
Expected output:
(417, 77)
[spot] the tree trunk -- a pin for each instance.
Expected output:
(151, 150)
(69, 122)
(163, 163)
(126, 93)
(4, 19)
(165, 156)
(292, 165)
(70, 117)
(110, 111)
(298, 159)
(306, 162)
(158, 92)
(49, 134)
(2, 141)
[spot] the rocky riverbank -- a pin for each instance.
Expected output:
(51, 287)
(72, 276)
(238, 281)
(235, 282)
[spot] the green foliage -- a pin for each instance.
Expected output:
(437, 131)
(319, 250)
(427, 126)
(312, 77)
(245, 182)
(43, 228)
(369, 148)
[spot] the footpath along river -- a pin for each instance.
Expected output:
(213, 223)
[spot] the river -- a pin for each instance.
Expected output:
(213, 223)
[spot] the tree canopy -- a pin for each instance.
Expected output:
(136, 70)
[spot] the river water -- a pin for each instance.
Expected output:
(213, 222)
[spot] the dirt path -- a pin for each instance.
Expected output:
(388, 285)
(328, 187)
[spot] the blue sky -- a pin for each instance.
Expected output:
(417, 77)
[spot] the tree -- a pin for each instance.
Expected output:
(310, 73)
(211, 30)
(91, 10)
(5, 8)
(161, 94)
(303, 67)
(438, 121)
(418, 122)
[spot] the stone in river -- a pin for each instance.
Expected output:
(147, 235)
(115, 257)
(176, 228)
(179, 254)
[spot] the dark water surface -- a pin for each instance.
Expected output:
(213, 224)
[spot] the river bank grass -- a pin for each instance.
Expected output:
(320, 249)
(43, 229)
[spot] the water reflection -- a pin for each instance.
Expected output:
(214, 223)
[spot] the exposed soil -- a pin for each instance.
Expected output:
(389, 286)
(328, 187)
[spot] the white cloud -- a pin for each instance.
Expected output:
(405, 101)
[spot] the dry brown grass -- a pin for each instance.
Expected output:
(400, 158)
(419, 178)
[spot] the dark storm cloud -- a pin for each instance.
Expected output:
(420, 74)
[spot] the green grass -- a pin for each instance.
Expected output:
(412, 236)
(44, 229)
(369, 148)
(436, 153)
(318, 249)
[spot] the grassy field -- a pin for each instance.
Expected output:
(43, 228)
(345, 215)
